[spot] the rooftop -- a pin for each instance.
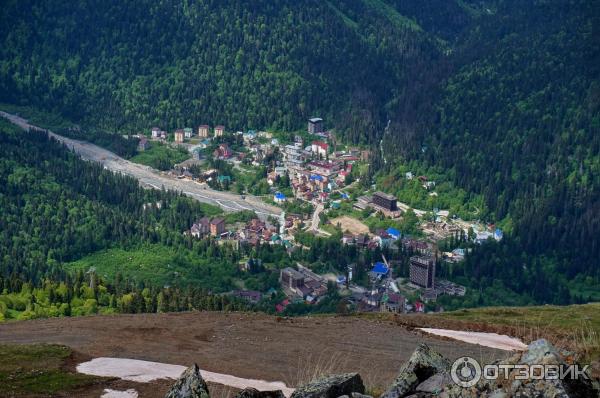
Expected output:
(384, 195)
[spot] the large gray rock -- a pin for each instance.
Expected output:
(422, 365)
(539, 352)
(254, 393)
(331, 387)
(189, 385)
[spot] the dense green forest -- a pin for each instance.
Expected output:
(500, 98)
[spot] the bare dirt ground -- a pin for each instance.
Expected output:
(245, 345)
(350, 224)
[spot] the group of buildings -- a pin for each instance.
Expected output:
(302, 284)
(180, 135)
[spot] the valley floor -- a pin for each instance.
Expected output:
(245, 345)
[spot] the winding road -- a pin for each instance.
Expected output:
(151, 178)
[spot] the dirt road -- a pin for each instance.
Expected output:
(252, 346)
(149, 177)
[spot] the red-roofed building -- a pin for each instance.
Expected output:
(320, 148)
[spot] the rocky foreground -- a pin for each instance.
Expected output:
(426, 374)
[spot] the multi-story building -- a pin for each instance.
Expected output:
(155, 132)
(179, 134)
(422, 271)
(290, 278)
(188, 132)
(203, 131)
(385, 201)
(315, 125)
(219, 131)
(217, 226)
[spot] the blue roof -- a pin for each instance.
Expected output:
(345, 196)
(316, 177)
(279, 195)
(393, 231)
(380, 268)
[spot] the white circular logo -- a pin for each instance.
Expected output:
(466, 372)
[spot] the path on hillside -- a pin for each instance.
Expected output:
(148, 177)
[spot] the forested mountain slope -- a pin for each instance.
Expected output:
(503, 96)
(248, 65)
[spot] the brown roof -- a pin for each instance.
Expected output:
(217, 220)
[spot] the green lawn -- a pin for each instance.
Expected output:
(159, 265)
(160, 156)
(29, 370)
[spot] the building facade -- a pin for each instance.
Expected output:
(315, 125)
(386, 201)
(422, 271)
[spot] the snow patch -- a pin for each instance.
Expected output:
(492, 340)
(108, 393)
(146, 371)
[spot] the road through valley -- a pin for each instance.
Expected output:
(149, 177)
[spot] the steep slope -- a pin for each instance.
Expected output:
(172, 63)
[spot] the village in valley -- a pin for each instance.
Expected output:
(316, 182)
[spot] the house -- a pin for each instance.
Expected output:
(315, 125)
(383, 238)
(362, 240)
(483, 236)
(380, 270)
(419, 306)
(155, 132)
(282, 306)
(251, 296)
(222, 152)
(219, 131)
(319, 148)
(188, 132)
(347, 239)
(143, 144)
(393, 233)
(179, 135)
(203, 131)
(217, 226)
(249, 136)
(279, 197)
(392, 302)
(373, 298)
(409, 175)
(498, 234)
(201, 228)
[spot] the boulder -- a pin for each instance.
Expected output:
(331, 387)
(422, 365)
(189, 385)
(254, 393)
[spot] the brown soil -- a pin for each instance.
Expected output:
(245, 345)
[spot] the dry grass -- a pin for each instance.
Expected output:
(350, 224)
(314, 367)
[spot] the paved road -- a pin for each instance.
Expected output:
(149, 177)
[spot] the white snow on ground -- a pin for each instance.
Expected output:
(145, 371)
(492, 340)
(108, 393)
